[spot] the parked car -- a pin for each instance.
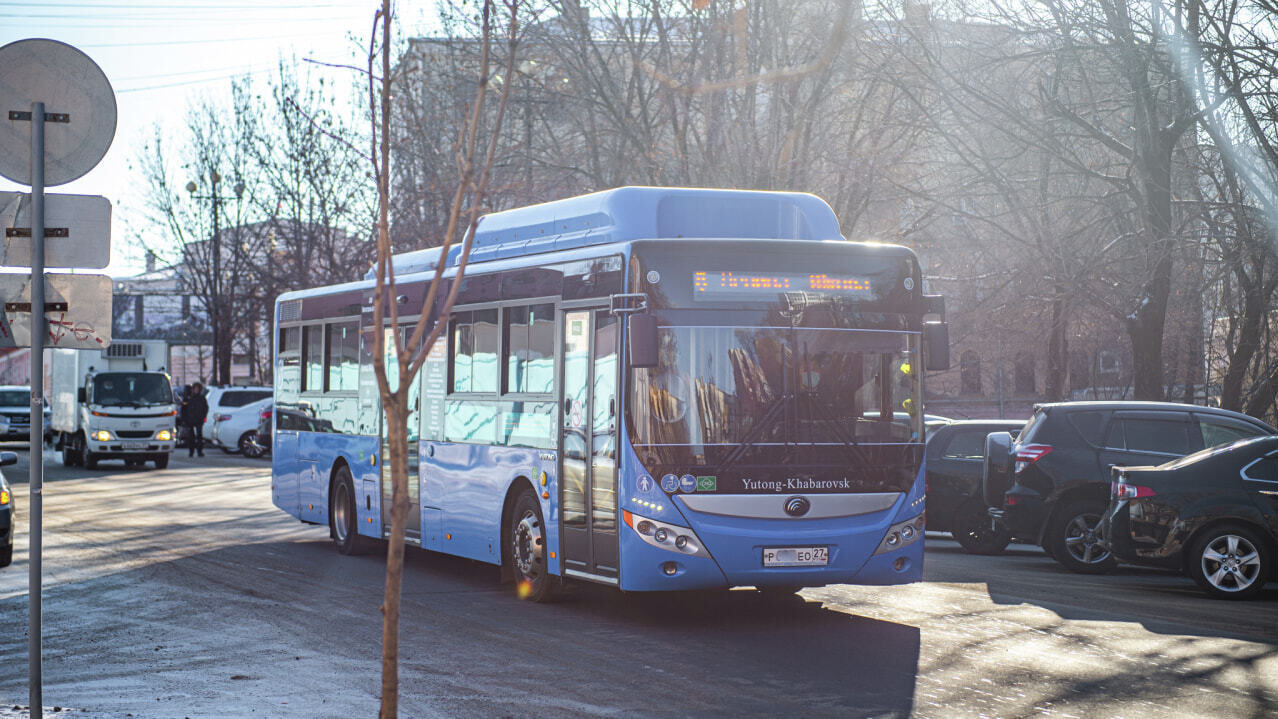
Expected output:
(6, 511)
(15, 407)
(222, 399)
(1051, 484)
(1212, 515)
(955, 464)
(234, 429)
(260, 446)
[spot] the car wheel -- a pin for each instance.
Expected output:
(161, 461)
(342, 516)
(526, 539)
(6, 556)
(975, 532)
(1229, 562)
(247, 445)
(1073, 538)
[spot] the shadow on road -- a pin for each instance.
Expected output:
(1160, 600)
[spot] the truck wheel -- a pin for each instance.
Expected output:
(1229, 562)
(68, 454)
(974, 531)
(1073, 539)
(343, 520)
(161, 461)
(90, 459)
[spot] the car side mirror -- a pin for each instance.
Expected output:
(936, 340)
(641, 329)
(8, 458)
(82, 396)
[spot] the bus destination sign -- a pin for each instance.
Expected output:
(711, 285)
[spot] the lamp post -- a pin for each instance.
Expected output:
(221, 347)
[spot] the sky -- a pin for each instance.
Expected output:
(161, 55)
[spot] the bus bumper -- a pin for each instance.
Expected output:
(857, 548)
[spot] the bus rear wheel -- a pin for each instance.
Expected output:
(526, 538)
(343, 520)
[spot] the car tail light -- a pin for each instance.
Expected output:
(1123, 490)
(1031, 453)
(266, 414)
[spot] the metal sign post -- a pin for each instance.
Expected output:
(34, 581)
(80, 131)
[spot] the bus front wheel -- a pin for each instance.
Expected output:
(343, 521)
(526, 537)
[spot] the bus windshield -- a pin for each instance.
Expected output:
(131, 389)
(776, 385)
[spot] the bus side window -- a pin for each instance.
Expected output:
(313, 358)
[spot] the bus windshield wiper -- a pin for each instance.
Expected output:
(822, 415)
(769, 418)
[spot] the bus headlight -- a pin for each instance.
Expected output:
(101, 436)
(658, 534)
(164, 435)
(901, 534)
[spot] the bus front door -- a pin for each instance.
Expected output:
(413, 530)
(588, 443)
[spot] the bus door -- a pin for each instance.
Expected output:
(588, 443)
(414, 527)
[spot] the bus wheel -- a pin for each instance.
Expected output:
(342, 517)
(527, 538)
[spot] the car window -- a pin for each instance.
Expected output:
(1089, 425)
(1153, 435)
(1221, 431)
(241, 397)
(1027, 432)
(966, 445)
(1265, 470)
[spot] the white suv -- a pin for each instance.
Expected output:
(224, 399)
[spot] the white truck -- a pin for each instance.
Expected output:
(115, 403)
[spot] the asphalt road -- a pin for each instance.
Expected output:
(185, 593)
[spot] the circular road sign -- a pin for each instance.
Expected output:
(73, 88)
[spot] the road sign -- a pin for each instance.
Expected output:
(77, 230)
(77, 307)
(79, 110)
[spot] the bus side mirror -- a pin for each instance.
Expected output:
(641, 328)
(936, 341)
(80, 396)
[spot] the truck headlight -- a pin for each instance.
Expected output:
(164, 435)
(101, 436)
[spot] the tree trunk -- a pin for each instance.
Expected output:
(397, 444)
(1058, 350)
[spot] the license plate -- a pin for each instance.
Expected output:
(796, 556)
(133, 445)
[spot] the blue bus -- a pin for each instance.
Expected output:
(649, 388)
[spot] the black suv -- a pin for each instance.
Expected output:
(1050, 485)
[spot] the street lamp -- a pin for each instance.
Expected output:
(221, 369)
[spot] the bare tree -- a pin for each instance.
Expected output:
(474, 156)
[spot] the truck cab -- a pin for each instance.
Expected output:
(117, 407)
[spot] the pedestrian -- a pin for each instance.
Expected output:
(183, 424)
(197, 410)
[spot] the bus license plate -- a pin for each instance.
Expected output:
(796, 556)
(133, 445)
